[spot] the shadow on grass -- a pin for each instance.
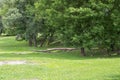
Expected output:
(113, 77)
(58, 55)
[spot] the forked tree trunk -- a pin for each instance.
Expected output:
(83, 51)
(50, 38)
(43, 41)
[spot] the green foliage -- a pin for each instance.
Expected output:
(85, 24)
(11, 17)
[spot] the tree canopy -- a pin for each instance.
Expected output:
(78, 23)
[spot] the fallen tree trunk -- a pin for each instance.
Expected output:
(54, 49)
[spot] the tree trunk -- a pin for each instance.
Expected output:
(43, 41)
(118, 52)
(108, 52)
(30, 42)
(83, 51)
(112, 46)
(35, 40)
(50, 38)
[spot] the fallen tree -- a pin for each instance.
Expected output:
(59, 49)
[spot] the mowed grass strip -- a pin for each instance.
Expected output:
(54, 66)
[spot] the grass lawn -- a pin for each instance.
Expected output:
(53, 66)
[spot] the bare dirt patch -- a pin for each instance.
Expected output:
(13, 62)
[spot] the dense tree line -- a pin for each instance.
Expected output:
(79, 23)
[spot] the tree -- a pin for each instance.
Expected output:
(85, 24)
(1, 25)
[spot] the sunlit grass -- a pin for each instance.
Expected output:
(9, 44)
(54, 66)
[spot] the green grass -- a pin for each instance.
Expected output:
(54, 66)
